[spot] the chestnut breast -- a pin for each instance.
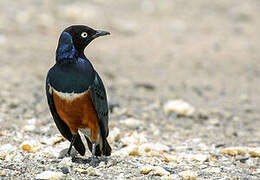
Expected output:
(77, 111)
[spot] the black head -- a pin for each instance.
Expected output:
(83, 35)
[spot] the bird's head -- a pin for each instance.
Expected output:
(76, 38)
(83, 35)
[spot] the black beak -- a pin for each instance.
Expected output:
(100, 33)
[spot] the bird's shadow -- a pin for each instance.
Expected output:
(81, 160)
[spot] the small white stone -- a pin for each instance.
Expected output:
(147, 147)
(49, 151)
(8, 152)
(67, 161)
(62, 145)
(50, 175)
(131, 150)
(114, 135)
(212, 170)
(131, 122)
(179, 107)
(102, 164)
(121, 176)
(199, 157)
(5, 148)
(134, 138)
(153, 160)
(120, 111)
(254, 152)
(32, 121)
(188, 174)
(170, 177)
(29, 127)
(45, 128)
(170, 158)
(14, 156)
(159, 171)
(93, 171)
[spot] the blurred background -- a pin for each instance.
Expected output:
(205, 52)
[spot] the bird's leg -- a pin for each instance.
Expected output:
(93, 154)
(71, 144)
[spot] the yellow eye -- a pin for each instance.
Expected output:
(84, 34)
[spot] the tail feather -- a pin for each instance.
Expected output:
(106, 148)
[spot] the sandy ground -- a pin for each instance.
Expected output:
(203, 52)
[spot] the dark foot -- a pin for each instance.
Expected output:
(94, 162)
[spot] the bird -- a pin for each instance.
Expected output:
(76, 95)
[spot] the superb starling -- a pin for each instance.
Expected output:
(76, 95)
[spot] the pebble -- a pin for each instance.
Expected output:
(2, 157)
(188, 174)
(82, 171)
(199, 157)
(6, 149)
(30, 146)
(147, 147)
(131, 150)
(233, 151)
(170, 177)
(14, 156)
(134, 138)
(50, 175)
(29, 127)
(179, 107)
(65, 170)
(254, 152)
(131, 122)
(50, 152)
(213, 170)
(146, 169)
(120, 111)
(159, 171)
(114, 135)
(170, 158)
(66, 161)
(93, 171)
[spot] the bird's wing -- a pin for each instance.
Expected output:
(99, 99)
(63, 128)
